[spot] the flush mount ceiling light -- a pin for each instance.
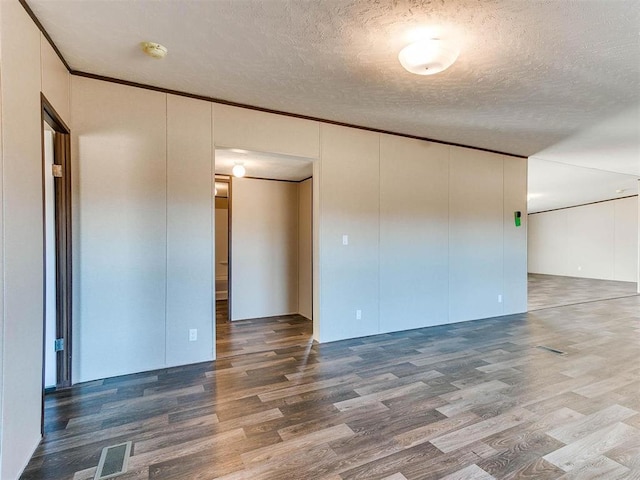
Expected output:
(154, 50)
(238, 170)
(427, 57)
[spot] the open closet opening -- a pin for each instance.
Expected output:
(222, 238)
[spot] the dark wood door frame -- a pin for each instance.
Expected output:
(226, 179)
(63, 254)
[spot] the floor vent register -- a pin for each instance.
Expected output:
(113, 461)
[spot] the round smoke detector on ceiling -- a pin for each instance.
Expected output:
(154, 50)
(427, 57)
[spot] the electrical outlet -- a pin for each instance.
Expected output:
(345, 239)
(193, 334)
(358, 314)
(499, 298)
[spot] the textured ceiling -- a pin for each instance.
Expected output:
(264, 165)
(612, 145)
(554, 185)
(530, 73)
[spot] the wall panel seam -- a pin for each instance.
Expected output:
(449, 164)
(166, 244)
(379, 225)
(504, 232)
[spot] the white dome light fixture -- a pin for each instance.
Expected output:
(427, 57)
(154, 50)
(238, 170)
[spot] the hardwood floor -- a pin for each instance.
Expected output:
(474, 400)
(260, 334)
(546, 291)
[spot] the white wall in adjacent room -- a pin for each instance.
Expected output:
(264, 248)
(590, 241)
(626, 239)
(50, 370)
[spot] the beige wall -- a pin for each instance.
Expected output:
(26, 70)
(305, 244)
(264, 248)
(476, 234)
(190, 231)
(591, 241)
(1, 256)
(265, 132)
(414, 234)
(56, 84)
(431, 237)
(514, 285)
(143, 233)
(349, 205)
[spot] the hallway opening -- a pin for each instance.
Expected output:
(263, 263)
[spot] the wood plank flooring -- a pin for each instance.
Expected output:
(474, 400)
(260, 334)
(546, 291)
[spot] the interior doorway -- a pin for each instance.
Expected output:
(264, 251)
(56, 183)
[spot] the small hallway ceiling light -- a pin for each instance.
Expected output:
(238, 170)
(427, 57)
(154, 50)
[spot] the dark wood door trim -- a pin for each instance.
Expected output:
(62, 148)
(63, 233)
